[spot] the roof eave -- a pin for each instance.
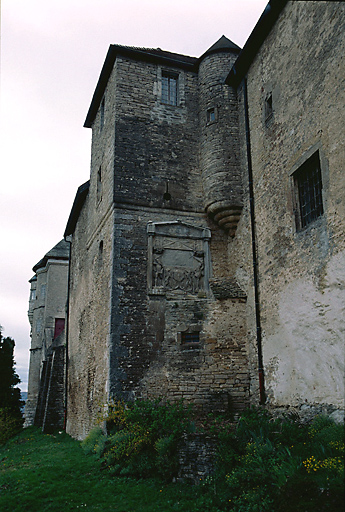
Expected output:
(143, 55)
(78, 203)
(260, 32)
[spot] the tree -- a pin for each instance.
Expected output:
(11, 418)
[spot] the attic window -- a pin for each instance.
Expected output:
(169, 88)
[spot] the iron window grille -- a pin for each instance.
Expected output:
(189, 337)
(169, 88)
(308, 185)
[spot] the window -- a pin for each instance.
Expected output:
(43, 291)
(100, 253)
(102, 114)
(189, 337)
(308, 188)
(59, 326)
(169, 88)
(38, 325)
(99, 185)
(33, 295)
(211, 115)
(268, 107)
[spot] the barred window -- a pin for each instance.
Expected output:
(308, 185)
(169, 88)
(189, 337)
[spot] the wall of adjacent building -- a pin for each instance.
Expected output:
(49, 304)
(301, 271)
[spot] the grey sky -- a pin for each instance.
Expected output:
(52, 52)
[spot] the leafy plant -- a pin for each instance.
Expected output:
(143, 437)
(11, 418)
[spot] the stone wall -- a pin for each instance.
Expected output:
(129, 314)
(299, 70)
(46, 305)
(88, 338)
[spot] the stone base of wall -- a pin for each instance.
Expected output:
(196, 457)
(305, 413)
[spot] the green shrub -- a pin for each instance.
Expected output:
(95, 442)
(280, 465)
(10, 424)
(143, 437)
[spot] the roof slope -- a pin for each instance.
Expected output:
(78, 203)
(60, 251)
(155, 55)
(255, 40)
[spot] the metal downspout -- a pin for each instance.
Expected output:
(254, 248)
(68, 239)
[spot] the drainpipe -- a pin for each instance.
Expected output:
(254, 248)
(69, 240)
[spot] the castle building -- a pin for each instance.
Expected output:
(207, 255)
(47, 316)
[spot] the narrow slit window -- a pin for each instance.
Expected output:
(211, 115)
(99, 184)
(268, 107)
(102, 114)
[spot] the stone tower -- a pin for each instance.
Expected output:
(219, 137)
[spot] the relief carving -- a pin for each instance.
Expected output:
(178, 258)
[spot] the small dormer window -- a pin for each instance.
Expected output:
(169, 88)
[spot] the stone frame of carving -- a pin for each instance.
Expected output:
(162, 237)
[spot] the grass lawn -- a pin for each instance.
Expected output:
(40, 472)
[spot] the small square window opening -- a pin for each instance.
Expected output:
(169, 88)
(189, 337)
(211, 115)
(308, 186)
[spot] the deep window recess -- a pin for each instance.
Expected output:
(189, 337)
(308, 186)
(211, 115)
(100, 253)
(99, 185)
(268, 107)
(169, 88)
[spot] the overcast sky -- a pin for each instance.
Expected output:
(52, 52)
